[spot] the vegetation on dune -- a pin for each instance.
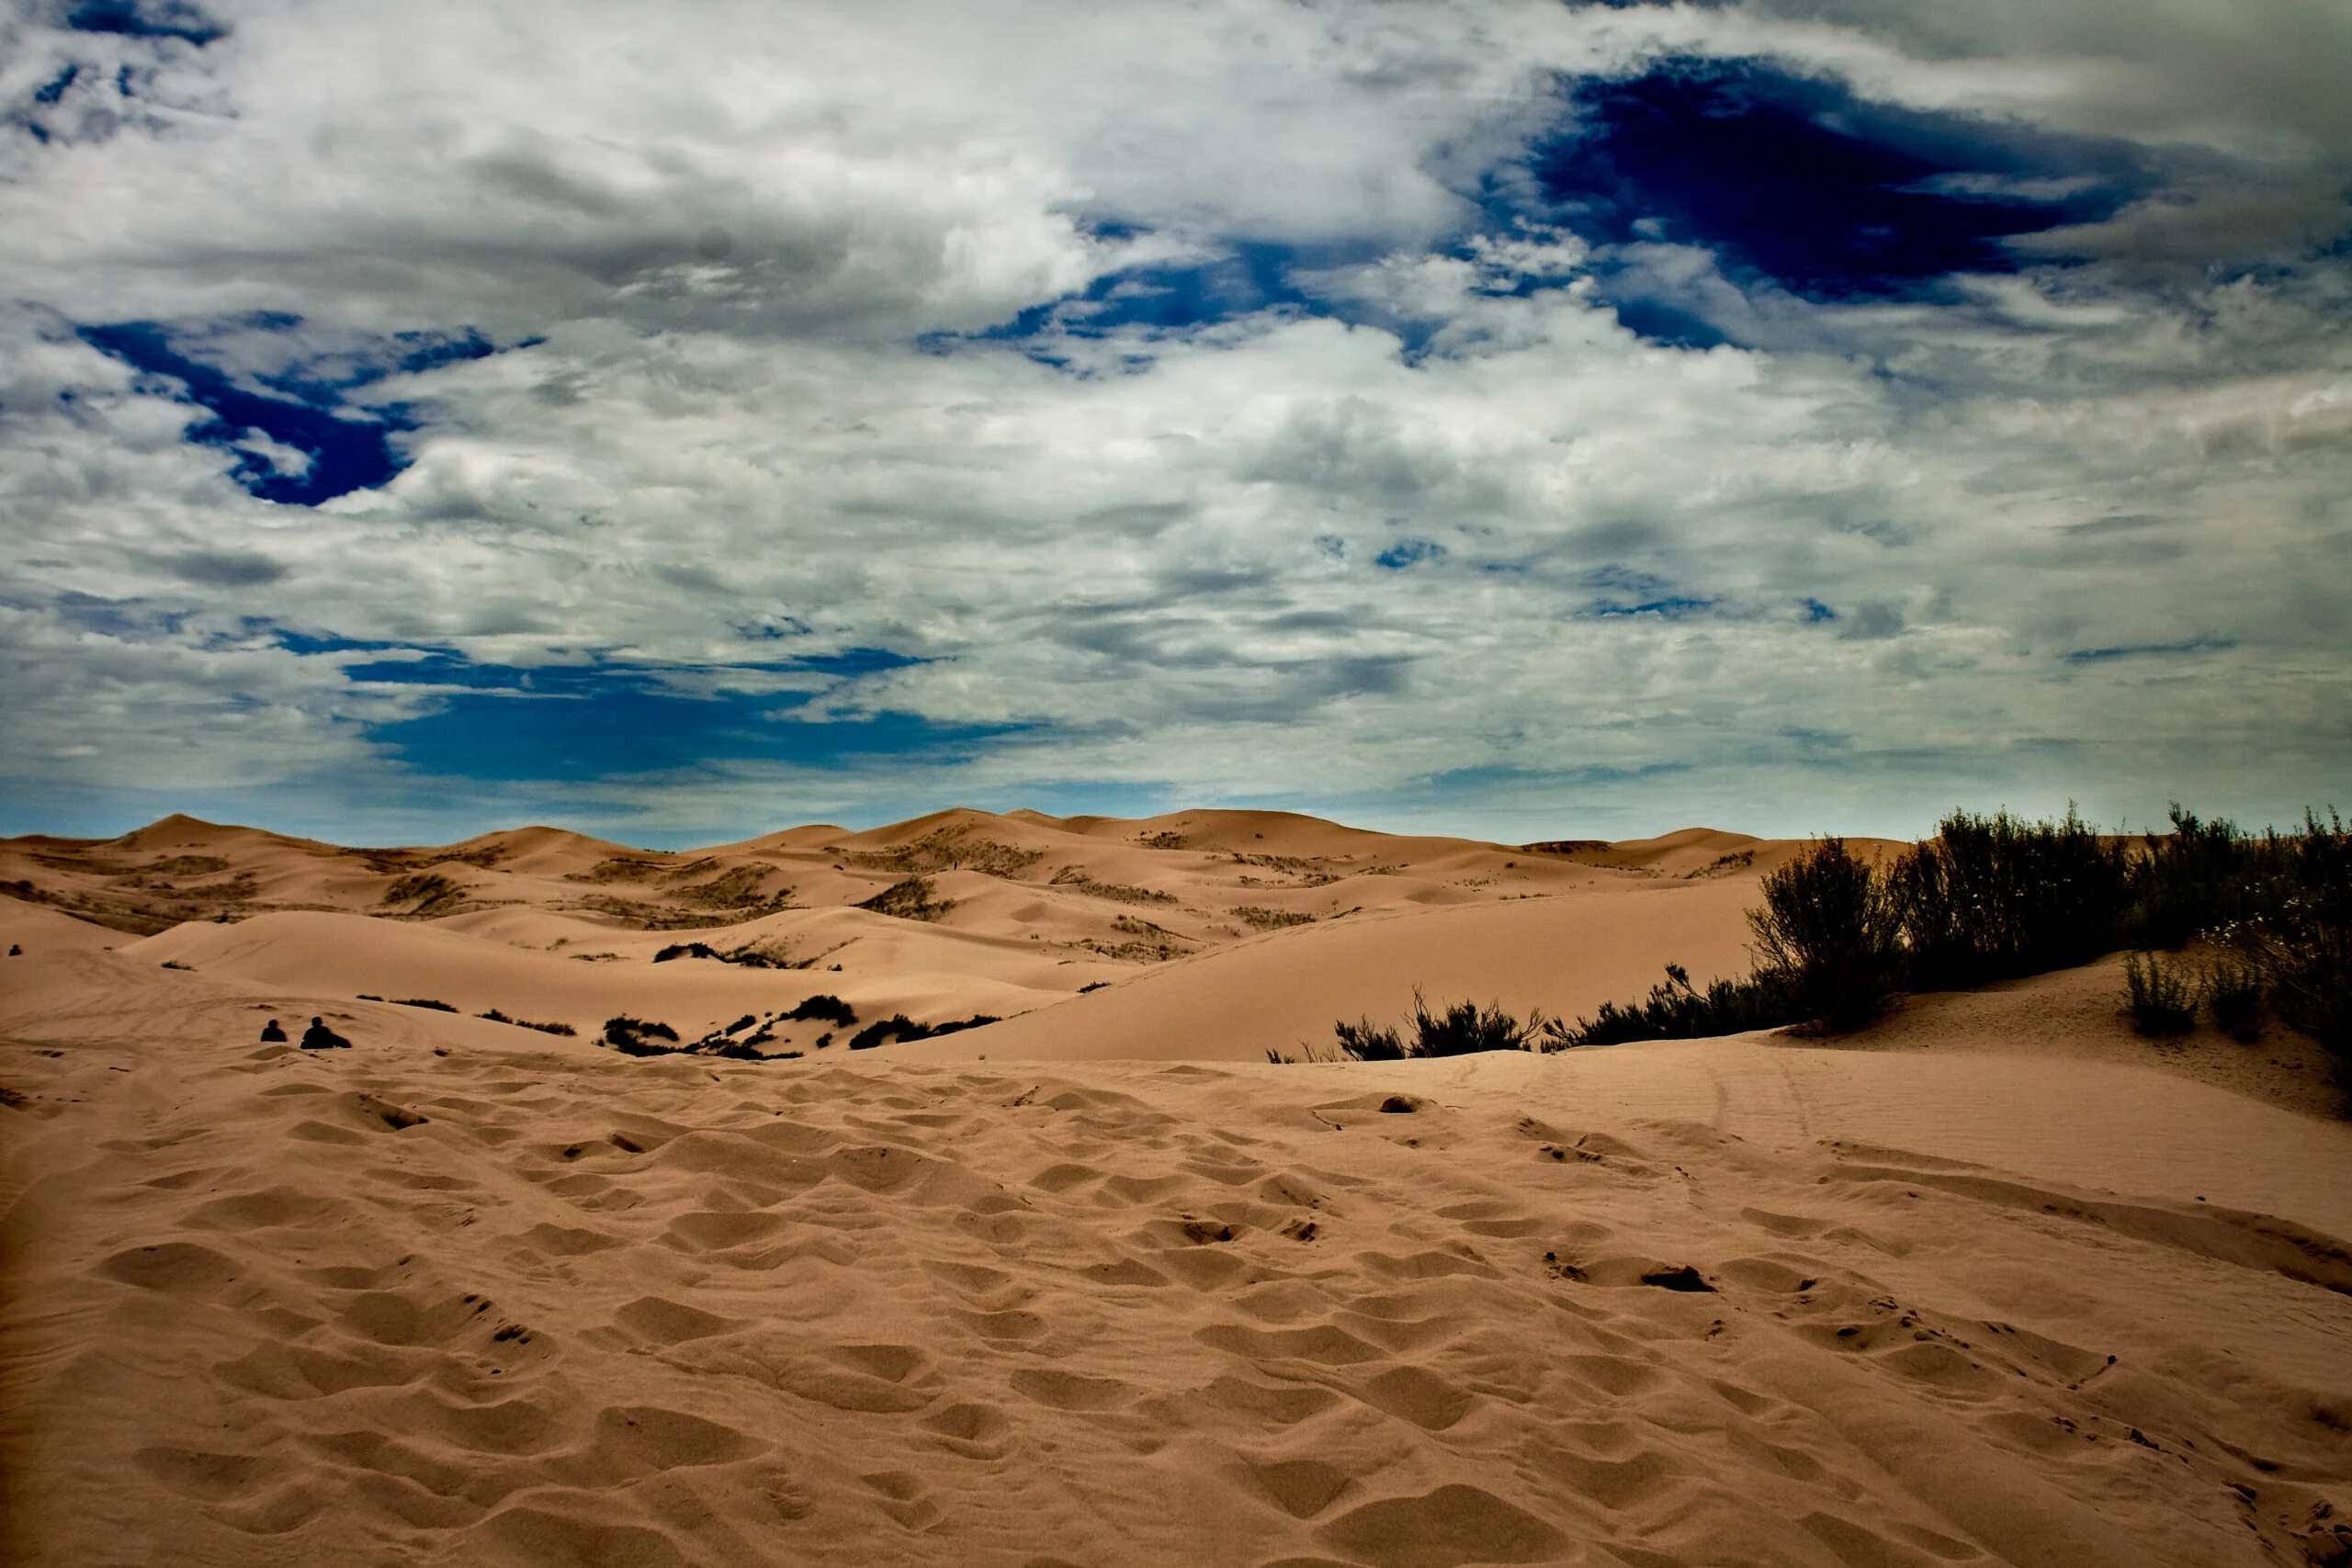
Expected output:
(1264, 919)
(1991, 898)
(1679, 1010)
(2161, 1002)
(899, 1026)
(427, 893)
(1998, 897)
(497, 1017)
(948, 849)
(639, 1037)
(1459, 1029)
(822, 1008)
(908, 900)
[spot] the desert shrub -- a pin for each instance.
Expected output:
(1461, 1029)
(639, 1037)
(824, 1008)
(899, 1026)
(1364, 1040)
(2307, 944)
(2199, 878)
(686, 949)
(497, 1017)
(425, 1002)
(2232, 986)
(2161, 1002)
(1828, 932)
(1464, 1028)
(1994, 897)
(1677, 1009)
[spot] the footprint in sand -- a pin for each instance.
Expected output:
(902, 1495)
(539, 1539)
(1070, 1391)
(1418, 1395)
(1300, 1487)
(1440, 1530)
(666, 1322)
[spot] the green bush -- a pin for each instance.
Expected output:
(2307, 944)
(2232, 986)
(1465, 1028)
(1828, 933)
(2161, 1002)
(1995, 898)
(1364, 1040)
(1460, 1030)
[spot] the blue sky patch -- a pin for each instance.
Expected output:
(146, 19)
(573, 722)
(313, 446)
(1799, 181)
(625, 729)
(1410, 552)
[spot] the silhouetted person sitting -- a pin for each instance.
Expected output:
(318, 1037)
(271, 1032)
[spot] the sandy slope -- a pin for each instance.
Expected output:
(1001, 916)
(1993, 1281)
(597, 1310)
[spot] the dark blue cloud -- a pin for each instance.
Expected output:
(1799, 181)
(1244, 278)
(2152, 650)
(147, 18)
(303, 406)
(1410, 552)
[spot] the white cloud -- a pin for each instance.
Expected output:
(732, 227)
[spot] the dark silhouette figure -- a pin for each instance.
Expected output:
(318, 1037)
(16, 950)
(270, 1030)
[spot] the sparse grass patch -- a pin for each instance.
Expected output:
(1264, 919)
(908, 900)
(429, 892)
(1073, 877)
(425, 1002)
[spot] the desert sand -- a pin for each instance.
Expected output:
(1991, 1281)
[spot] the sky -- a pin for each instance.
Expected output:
(1523, 419)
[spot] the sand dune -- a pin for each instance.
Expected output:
(1992, 1282)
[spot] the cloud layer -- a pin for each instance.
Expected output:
(1530, 421)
